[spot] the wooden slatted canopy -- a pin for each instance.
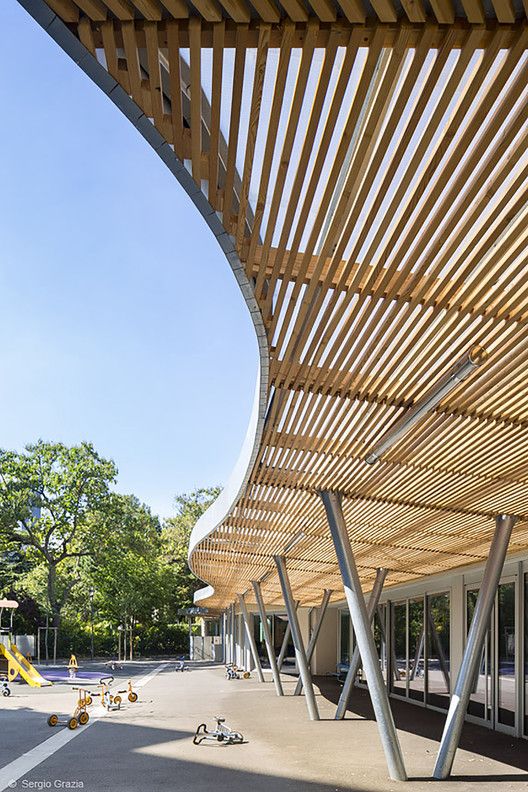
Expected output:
(373, 180)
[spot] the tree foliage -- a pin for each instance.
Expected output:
(72, 549)
(175, 538)
(47, 495)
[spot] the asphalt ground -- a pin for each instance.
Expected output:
(148, 745)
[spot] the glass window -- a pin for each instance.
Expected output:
(344, 650)
(480, 701)
(380, 638)
(438, 650)
(506, 654)
(416, 649)
(526, 654)
(399, 661)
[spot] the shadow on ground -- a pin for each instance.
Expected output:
(429, 724)
(149, 759)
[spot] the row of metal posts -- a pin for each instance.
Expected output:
(365, 652)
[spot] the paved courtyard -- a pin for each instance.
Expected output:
(148, 745)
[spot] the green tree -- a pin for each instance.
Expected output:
(126, 567)
(47, 495)
(175, 540)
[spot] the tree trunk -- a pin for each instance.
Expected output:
(55, 606)
(131, 636)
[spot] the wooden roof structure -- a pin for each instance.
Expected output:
(367, 160)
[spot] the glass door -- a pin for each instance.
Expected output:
(494, 692)
(505, 655)
(481, 700)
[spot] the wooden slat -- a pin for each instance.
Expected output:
(267, 10)
(444, 11)
(151, 36)
(209, 9)
(324, 9)
(295, 10)
(131, 53)
(216, 102)
(385, 10)
(234, 122)
(254, 116)
(151, 9)
(66, 9)
(179, 9)
(504, 10)
(86, 34)
(95, 9)
(196, 97)
(175, 86)
(353, 11)
(415, 10)
(238, 10)
(474, 11)
(392, 245)
(122, 9)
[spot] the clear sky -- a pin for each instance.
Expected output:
(121, 322)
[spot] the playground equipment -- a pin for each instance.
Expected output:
(131, 694)
(4, 687)
(221, 734)
(114, 665)
(15, 663)
(79, 717)
(82, 677)
(233, 672)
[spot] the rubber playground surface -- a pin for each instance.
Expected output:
(148, 745)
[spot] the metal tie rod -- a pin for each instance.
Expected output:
(300, 654)
(364, 636)
(344, 698)
(315, 635)
(477, 632)
(267, 638)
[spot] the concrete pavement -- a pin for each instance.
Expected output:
(148, 746)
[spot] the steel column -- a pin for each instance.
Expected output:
(284, 647)
(314, 636)
(233, 628)
(477, 632)
(372, 606)
(297, 638)
(267, 638)
(251, 637)
(364, 636)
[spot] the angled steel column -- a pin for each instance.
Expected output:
(233, 629)
(477, 632)
(297, 638)
(344, 698)
(223, 629)
(314, 636)
(364, 635)
(267, 638)
(284, 647)
(251, 637)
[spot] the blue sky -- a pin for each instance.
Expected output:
(120, 320)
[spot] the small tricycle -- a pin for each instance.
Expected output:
(108, 700)
(233, 672)
(4, 686)
(221, 734)
(80, 716)
(131, 694)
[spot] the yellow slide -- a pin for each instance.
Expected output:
(18, 664)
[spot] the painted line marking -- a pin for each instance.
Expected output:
(10, 773)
